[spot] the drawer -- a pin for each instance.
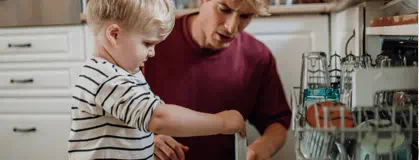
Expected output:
(35, 105)
(42, 44)
(39, 82)
(35, 137)
(35, 79)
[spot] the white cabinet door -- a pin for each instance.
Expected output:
(35, 105)
(38, 80)
(35, 79)
(35, 137)
(288, 37)
(42, 44)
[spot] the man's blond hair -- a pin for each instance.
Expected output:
(133, 15)
(260, 6)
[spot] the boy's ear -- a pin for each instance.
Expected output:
(113, 32)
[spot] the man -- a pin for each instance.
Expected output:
(209, 64)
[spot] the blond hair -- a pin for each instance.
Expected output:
(260, 6)
(133, 15)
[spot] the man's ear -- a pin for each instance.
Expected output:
(113, 33)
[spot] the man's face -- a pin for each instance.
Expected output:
(223, 20)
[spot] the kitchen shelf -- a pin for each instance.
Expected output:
(313, 8)
(274, 10)
(391, 3)
(179, 13)
(331, 6)
(302, 8)
(399, 30)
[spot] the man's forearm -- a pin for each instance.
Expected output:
(272, 140)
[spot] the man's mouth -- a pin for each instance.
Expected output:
(225, 38)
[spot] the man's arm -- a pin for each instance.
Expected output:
(271, 115)
(272, 140)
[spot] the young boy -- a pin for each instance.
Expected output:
(115, 113)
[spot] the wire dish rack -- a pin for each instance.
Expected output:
(380, 132)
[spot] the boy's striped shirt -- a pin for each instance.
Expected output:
(110, 113)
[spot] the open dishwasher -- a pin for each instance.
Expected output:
(371, 113)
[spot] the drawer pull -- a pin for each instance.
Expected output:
(30, 80)
(24, 130)
(22, 45)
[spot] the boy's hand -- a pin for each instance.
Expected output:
(233, 122)
(167, 148)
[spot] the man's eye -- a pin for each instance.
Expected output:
(225, 10)
(147, 44)
(245, 16)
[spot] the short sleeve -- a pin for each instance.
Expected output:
(271, 106)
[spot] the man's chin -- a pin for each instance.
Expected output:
(225, 45)
(220, 45)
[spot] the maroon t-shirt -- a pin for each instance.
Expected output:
(241, 77)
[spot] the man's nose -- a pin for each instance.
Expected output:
(151, 53)
(232, 24)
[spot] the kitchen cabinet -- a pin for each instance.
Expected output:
(288, 37)
(38, 66)
(43, 44)
(46, 81)
(35, 137)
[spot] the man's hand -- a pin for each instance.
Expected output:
(165, 148)
(257, 152)
(268, 144)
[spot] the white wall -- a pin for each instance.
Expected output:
(344, 22)
(342, 27)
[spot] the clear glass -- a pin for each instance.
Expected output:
(314, 72)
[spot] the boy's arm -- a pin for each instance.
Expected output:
(178, 121)
(135, 105)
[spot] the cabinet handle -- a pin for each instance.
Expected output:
(30, 80)
(22, 45)
(24, 130)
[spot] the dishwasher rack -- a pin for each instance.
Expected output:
(388, 121)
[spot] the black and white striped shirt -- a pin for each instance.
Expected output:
(110, 114)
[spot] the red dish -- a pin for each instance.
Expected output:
(334, 116)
